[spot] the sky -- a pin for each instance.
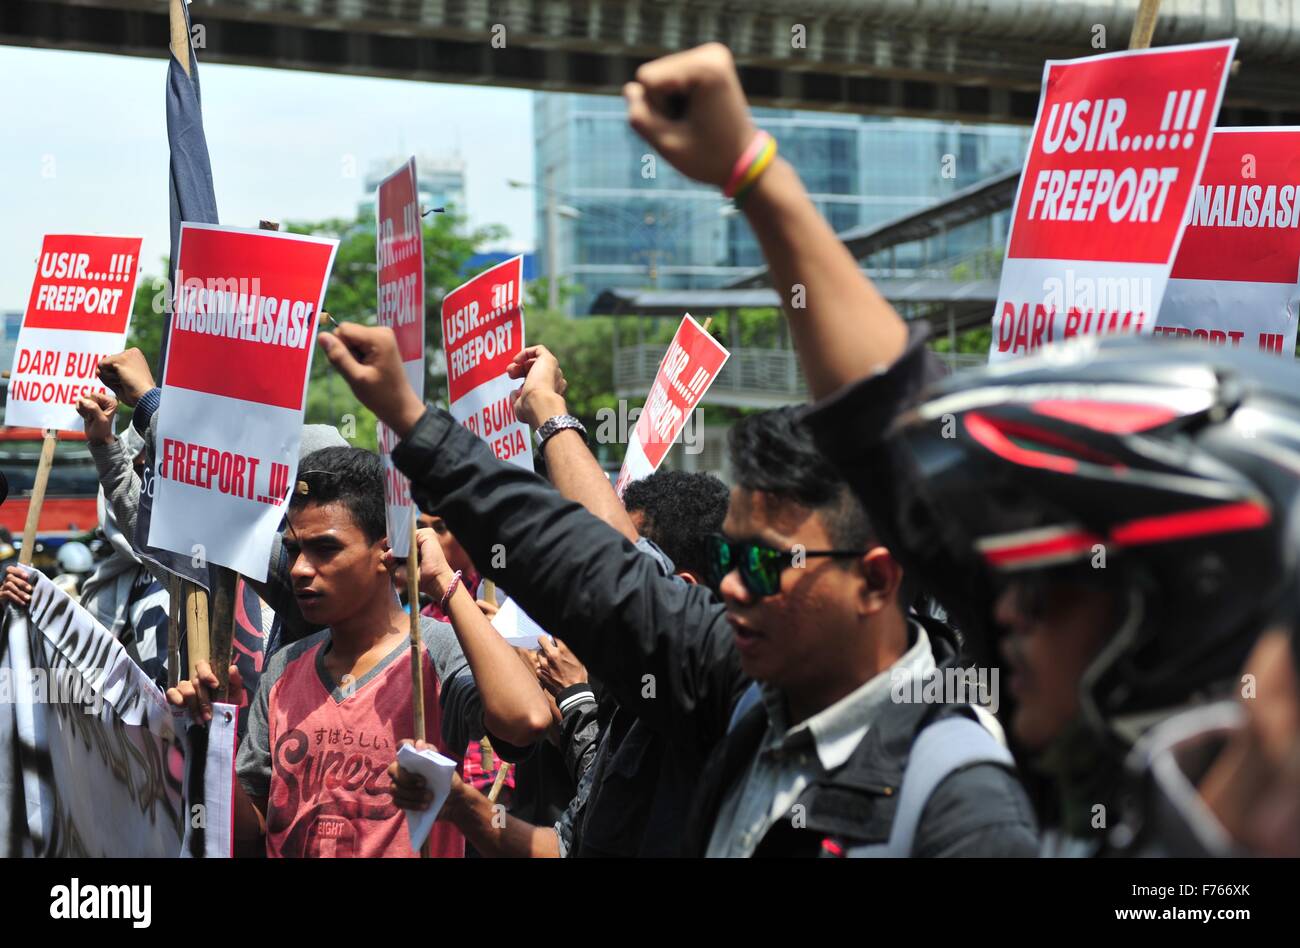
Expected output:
(83, 148)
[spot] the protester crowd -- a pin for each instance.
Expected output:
(774, 669)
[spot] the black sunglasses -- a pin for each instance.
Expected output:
(760, 566)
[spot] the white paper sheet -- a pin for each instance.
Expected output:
(437, 771)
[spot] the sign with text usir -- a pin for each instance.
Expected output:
(692, 362)
(77, 314)
(1235, 280)
(482, 330)
(1117, 150)
(399, 243)
(243, 331)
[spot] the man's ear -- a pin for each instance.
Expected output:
(688, 576)
(882, 578)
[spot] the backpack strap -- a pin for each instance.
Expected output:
(941, 749)
(747, 700)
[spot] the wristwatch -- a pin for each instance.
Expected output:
(558, 423)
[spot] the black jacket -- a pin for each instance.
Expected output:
(978, 811)
(662, 648)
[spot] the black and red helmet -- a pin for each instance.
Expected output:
(1170, 466)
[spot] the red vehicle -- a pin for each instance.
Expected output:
(69, 509)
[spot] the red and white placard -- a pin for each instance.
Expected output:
(243, 333)
(78, 313)
(482, 330)
(692, 362)
(1236, 281)
(1117, 150)
(399, 245)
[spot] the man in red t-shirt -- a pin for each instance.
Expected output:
(331, 708)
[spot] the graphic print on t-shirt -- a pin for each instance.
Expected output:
(330, 794)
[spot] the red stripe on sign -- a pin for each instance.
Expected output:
(986, 433)
(1193, 523)
(1067, 544)
(1111, 417)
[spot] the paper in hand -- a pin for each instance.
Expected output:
(516, 626)
(437, 771)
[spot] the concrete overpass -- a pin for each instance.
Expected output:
(974, 60)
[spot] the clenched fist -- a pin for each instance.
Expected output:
(542, 395)
(368, 358)
(691, 108)
(127, 374)
(96, 411)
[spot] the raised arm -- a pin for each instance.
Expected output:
(514, 707)
(843, 329)
(570, 465)
(662, 647)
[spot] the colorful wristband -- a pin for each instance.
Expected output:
(755, 171)
(745, 162)
(451, 588)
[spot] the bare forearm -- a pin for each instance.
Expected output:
(499, 836)
(843, 329)
(514, 707)
(577, 475)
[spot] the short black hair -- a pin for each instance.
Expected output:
(681, 511)
(773, 452)
(353, 477)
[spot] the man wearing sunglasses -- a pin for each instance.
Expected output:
(1108, 515)
(816, 766)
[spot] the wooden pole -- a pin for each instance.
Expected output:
(180, 33)
(221, 634)
(1144, 24)
(196, 624)
(417, 660)
(175, 594)
(499, 782)
(38, 497)
(413, 603)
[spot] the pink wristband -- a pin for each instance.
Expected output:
(451, 588)
(743, 163)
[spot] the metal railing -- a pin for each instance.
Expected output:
(758, 373)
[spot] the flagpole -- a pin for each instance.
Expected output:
(38, 497)
(180, 33)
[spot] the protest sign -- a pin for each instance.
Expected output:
(77, 314)
(242, 336)
(399, 244)
(1234, 282)
(482, 330)
(692, 362)
(1117, 149)
(97, 751)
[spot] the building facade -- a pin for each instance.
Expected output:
(441, 181)
(622, 217)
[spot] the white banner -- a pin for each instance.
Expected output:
(99, 754)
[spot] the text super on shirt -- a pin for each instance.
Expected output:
(319, 754)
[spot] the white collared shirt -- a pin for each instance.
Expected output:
(789, 758)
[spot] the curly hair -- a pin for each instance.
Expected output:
(680, 511)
